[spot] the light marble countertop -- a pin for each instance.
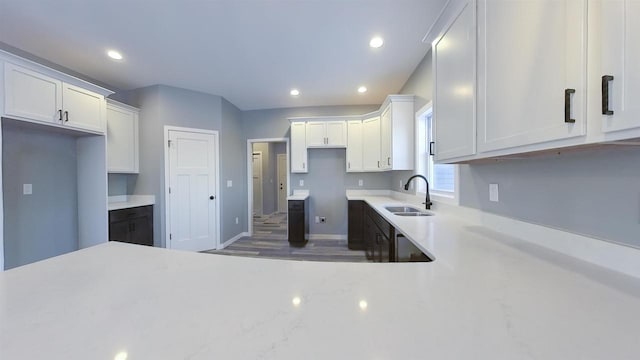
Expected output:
(486, 296)
(299, 195)
(130, 201)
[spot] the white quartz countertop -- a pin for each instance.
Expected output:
(486, 296)
(299, 195)
(130, 201)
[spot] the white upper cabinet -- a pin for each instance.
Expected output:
(371, 144)
(298, 147)
(454, 64)
(29, 94)
(531, 72)
(326, 134)
(122, 138)
(397, 133)
(354, 146)
(34, 95)
(615, 64)
(83, 109)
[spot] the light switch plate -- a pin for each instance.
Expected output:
(229, 183)
(301, 182)
(360, 182)
(493, 192)
(27, 189)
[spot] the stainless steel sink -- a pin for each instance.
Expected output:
(402, 209)
(412, 214)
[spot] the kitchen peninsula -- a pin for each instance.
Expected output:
(486, 295)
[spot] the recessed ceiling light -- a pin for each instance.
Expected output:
(294, 92)
(376, 42)
(362, 89)
(114, 55)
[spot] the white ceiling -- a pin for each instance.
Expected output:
(252, 52)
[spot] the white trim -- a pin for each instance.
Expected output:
(233, 239)
(261, 180)
(250, 143)
(607, 254)
(428, 34)
(285, 205)
(166, 226)
(1, 202)
(326, 237)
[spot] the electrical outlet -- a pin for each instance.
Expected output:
(27, 189)
(301, 182)
(493, 192)
(360, 182)
(237, 221)
(323, 219)
(317, 219)
(229, 183)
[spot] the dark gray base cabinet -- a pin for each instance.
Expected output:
(298, 222)
(132, 225)
(355, 230)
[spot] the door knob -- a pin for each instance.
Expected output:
(211, 197)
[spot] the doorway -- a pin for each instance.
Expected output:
(268, 187)
(191, 191)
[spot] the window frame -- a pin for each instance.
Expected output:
(420, 135)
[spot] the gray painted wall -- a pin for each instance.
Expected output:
(47, 160)
(327, 179)
(233, 152)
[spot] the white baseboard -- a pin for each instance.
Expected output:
(607, 254)
(233, 239)
(326, 237)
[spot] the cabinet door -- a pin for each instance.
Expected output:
(122, 139)
(371, 144)
(83, 109)
(298, 148)
(336, 133)
(531, 57)
(31, 95)
(119, 231)
(355, 224)
(385, 139)
(620, 58)
(454, 87)
(142, 230)
(354, 146)
(316, 134)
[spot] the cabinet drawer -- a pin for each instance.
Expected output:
(296, 205)
(130, 213)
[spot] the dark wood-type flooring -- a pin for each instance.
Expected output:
(270, 241)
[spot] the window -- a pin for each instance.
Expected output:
(442, 177)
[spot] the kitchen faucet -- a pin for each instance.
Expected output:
(427, 201)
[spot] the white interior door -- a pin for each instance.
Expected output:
(257, 182)
(282, 183)
(192, 191)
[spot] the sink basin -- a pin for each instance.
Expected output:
(412, 214)
(402, 209)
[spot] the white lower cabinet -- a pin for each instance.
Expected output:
(371, 144)
(122, 138)
(354, 146)
(298, 147)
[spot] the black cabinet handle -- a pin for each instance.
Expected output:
(431, 148)
(66, 116)
(389, 161)
(60, 113)
(567, 105)
(605, 94)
